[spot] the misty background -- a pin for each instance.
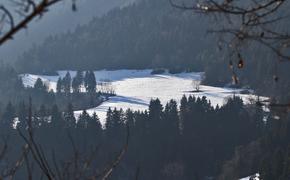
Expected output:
(58, 20)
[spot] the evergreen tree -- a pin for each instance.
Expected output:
(56, 118)
(109, 120)
(91, 83)
(94, 122)
(8, 116)
(69, 117)
(83, 120)
(155, 109)
(59, 85)
(67, 83)
(77, 82)
(22, 115)
(171, 117)
(183, 111)
(42, 113)
(39, 85)
(86, 80)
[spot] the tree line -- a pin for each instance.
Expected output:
(190, 141)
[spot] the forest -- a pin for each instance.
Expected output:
(210, 135)
(238, 48)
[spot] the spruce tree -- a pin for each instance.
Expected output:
(22, 115)
(94, 122)
(91, 82)
(56, 118)
(77, 81)
(39, 85)
(59, 85)
(86, 80)
(83, 120)
(67, 83)
(8, 116)
(69, 117)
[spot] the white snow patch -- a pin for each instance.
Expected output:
(253, 177)
(135, 89)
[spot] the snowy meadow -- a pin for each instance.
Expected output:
(135, 88)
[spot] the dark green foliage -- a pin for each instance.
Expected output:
(83, 120)
(59, 86)
(193, 142)
(56, 117)
(91, 82)
(66, 81)
(69, 117)
(22, 115)
(77, 82)
(40, 86)
(8, 116)
(147, 34)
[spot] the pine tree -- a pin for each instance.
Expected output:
(183, 111)
(67, 83)
(94, 122)
(109, 119)
(69, 117)
(77, 82)
(8, 116)
(42, 113)
(56, 117)
(39, 85)
(91, 88)
(59, 85)
(22, 115)
(86, 80)
(171, 117)
(83, 120)
(155, 109)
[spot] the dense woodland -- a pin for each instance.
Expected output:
(153, 34)
(81, 91)
(192, 140)
(147, 34)
(195, 140)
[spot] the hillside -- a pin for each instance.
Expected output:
(135, 88)
(147, 34)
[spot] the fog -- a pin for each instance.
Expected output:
(60, 19)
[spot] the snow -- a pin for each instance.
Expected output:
(254, 177)
(135, 89)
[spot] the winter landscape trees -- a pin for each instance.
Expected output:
(193, 140)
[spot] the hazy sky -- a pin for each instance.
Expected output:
(59, 19)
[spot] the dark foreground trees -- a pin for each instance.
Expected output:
(165, 142)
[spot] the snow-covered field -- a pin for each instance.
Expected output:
(253, 177)
(135, 88)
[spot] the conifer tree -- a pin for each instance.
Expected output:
(83, 120)
(39, 85)
(86, 80)
(8, 116)
(67, 83)
(59, 85)
(91, 84)
(56, 118)
(22, 115)
(94, 122)
(155, 109)
(69, 117)
(77, 82)
(42, 113)
(109, 119)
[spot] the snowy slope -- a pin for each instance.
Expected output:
(254, 177)
(135, 88)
